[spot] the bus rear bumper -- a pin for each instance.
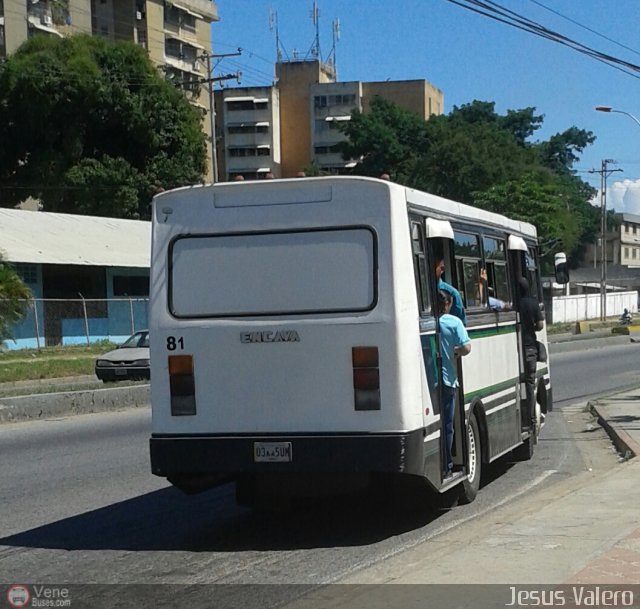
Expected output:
(173, 455)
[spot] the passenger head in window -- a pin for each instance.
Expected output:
(457, 307)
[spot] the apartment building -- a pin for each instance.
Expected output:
(176, 34)
(298, 119)
(251, 123)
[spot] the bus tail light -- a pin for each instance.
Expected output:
(366, 378)
(182, 385)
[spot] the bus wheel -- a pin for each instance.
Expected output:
(469, 488)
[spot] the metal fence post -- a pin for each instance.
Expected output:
(86, 321)
(131, 317)
(34, 304)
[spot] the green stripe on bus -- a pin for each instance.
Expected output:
(490, 390)
(495, 331)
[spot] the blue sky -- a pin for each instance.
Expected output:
(469, 56)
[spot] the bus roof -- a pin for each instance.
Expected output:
(318, 188)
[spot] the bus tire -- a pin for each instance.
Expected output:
(469, 488)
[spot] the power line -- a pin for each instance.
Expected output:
(501, 14)
(547, 8)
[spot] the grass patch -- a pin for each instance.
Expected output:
(561, 328)
(50, 362)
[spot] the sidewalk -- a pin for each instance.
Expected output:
(583, 532)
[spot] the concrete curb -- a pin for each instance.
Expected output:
(622, 440)
(586, 343)
(46, 405)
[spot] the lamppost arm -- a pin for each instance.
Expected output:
(610, 109)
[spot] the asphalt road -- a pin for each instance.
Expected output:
(79, 505)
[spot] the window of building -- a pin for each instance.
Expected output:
(188, 22)
(626, 253)
(327, 149)
(180, 50)
(634, 253)
(320, 101)
(243, 129)
(236, 106)
(27, 272)
(124, 285)
(172, 14)
(347, 99)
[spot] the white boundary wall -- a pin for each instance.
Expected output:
(579, 307)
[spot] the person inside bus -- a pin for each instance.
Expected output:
(532, 321)
(494, 303)
(454, 342)
(457, 307)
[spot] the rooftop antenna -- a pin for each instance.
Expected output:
(332, 55)
(273, 26)
(315, 17)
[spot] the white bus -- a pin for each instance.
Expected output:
(294, 344)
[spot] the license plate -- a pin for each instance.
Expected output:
(121, 372)
(272, 452)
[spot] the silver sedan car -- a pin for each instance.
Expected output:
(130, 361)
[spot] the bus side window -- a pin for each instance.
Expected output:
(533, 275)
(467, 255)
(420, 267)
(496, 267)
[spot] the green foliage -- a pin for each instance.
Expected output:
(13, 299)
(479, 157)
(91, 127)
(386, 140)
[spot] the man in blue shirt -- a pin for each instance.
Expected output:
(457, 307)
(454, 342)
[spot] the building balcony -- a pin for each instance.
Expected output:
(43, 23)
(201, 9)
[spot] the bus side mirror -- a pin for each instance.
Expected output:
(562, 270)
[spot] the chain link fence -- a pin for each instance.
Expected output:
(52, 322)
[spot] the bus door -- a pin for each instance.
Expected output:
(439, 235)
(518, 254)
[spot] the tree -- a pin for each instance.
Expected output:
(89, 126)
(479, 157)
(13, 299)
(552, 204)
(387, 138)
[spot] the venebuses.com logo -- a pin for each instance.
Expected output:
(20, 596)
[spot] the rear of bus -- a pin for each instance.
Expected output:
(284, 340)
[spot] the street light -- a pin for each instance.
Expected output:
(610, 109)
(604, 174)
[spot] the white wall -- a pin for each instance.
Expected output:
(579, 307)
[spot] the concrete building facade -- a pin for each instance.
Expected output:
(299, 118)
(175, 33)
(622, 244)
(251, 124)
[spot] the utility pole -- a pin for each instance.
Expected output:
(604, 172)
(210, 80)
